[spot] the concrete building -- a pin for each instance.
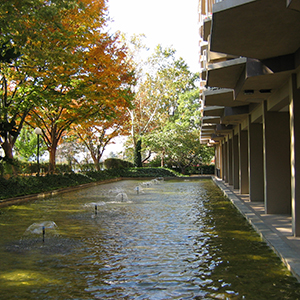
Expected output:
(250, 62)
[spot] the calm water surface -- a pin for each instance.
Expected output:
(173, 240)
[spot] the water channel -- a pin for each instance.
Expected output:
(137, 240)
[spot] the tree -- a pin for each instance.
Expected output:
(157, 92)
(96, 135)
(26, 28)
(26, 145)
(178, 142)
(92, 79)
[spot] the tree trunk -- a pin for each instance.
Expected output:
(8, 151)
(52, 158)
(137, 154)
(96, 162)
(7, 147)
(162, 159)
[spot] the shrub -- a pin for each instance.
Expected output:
(26, 185)
(115, 163)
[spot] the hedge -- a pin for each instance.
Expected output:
(27, 185)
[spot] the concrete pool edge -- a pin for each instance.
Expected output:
(274, 229)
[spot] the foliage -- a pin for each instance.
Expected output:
(20, 186)
(115, 163)
(177, 143)
(158, 90)
(201, 169)
(69, 69)
(97, 134)
(29, 168)
(180, 148)
(97, 84)
(27, 185)
(26, 145)
(30, 42)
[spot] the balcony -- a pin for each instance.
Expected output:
(256, 29)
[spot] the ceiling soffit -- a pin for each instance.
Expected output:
(266, 28)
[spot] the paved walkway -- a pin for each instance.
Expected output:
(276, 230)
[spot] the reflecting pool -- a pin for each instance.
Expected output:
(137, 240)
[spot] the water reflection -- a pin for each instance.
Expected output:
(176, 240)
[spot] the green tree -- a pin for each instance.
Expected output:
(26, 145)
(178, 142)
(26, 28)
(158, 90)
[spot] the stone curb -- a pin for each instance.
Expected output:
(289, 256)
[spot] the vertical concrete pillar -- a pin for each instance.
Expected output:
(235, 161)
(294, 109)
(226, 161)
(255, 158)
(277, 170)
(223, 161)
(243, 170)
(230, 161)
(220, 162)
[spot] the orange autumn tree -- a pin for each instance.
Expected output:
(89, 84)
(96, 135)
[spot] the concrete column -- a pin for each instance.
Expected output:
(226, 161)
(277, 170)
(243, 170)
(236, 162)
(294, 109)
(220, 162)
(230, 162)
(255, 158)
(223, 161)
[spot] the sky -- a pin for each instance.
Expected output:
(166, 22)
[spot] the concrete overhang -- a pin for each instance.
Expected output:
(204, 141)
(213, 111)
(217, 137)
(293, 4)
(221, 97)
(211, 120)
(206, 28)
(223, 129)
(255, 28)
(234, 115)
(203, 47)
(226, 74)
(207, 132)
(261, 78)
(252, 80)
(207, 126)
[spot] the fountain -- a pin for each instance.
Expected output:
(40, 229)
(44, 237)
(147, 184)
(139, 190)
(122, 197)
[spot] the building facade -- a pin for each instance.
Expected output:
(250, 66)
